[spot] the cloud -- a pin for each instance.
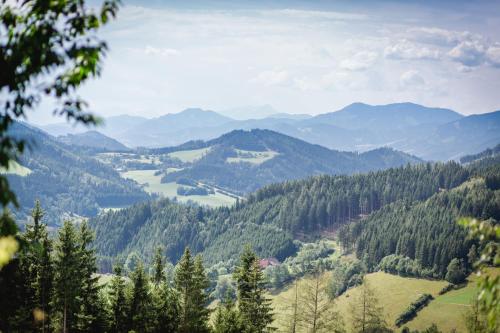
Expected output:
(411, 78)
(359, 61)
(272, 77)
(316, 14)
(469, 53)
(405, 49)
(164, 52)
(438, 36)
(493, 55)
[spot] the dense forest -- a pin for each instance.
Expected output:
(273, 217)
(65, 179)
(51, 286)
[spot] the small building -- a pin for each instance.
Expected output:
(267, 262)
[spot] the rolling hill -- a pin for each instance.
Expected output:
(66, 180)
(93, 139)
(244, 161)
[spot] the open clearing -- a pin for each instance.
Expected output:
(152, 184)
(395, 293)
(189, 156)
(16, 169)
(253, 157)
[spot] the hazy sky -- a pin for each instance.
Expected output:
(299, 57)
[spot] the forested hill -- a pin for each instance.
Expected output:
(65, 180)
(274, 216)
(244, 161)
(93, 139)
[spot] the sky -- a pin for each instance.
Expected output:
(297, 56)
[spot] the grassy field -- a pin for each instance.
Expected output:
(16, 169)
(153, 185)
(189, 156)
(253, 157)
(395, 293)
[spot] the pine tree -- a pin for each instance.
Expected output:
(367, 315)
(67, 279)
(140, 305)
(118, 302)
(254, 307)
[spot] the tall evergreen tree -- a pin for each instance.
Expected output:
(141, 302)
(118, 302)
(90, 317)
(158, 267)
(67, 280)
(166, 306)
(191, 282)
(254, 307)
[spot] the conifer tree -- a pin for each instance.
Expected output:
(140, 305)
(227, 318)
(118, 302)
(90, 317)
(67, 278)
(159, 268)
(318, 313)
(191, 282)
(167, 310)
(254, 307)
(366, 314)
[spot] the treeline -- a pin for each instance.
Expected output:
(52, 286)
(269, 219)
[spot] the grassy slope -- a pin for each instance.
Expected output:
(395, 293)
(189, 156)
(169, 190)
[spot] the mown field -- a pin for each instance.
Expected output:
(395, 293)
(152, 184)
(189, 156)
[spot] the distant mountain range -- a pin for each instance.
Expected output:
(429, 133)
(244, 161)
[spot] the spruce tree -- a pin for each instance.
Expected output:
(90, 317)
(67, 278)
(227, 318)
(167, 311)
(254, 307)
(140, 305)
(118, 302)
(191, 282)
(158, 267)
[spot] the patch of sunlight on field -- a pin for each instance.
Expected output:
(395, 294)
(447, 311)
(16, 169)
(190, 156)
(253, 157)
(152, 184)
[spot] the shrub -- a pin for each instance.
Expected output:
(413, 308)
